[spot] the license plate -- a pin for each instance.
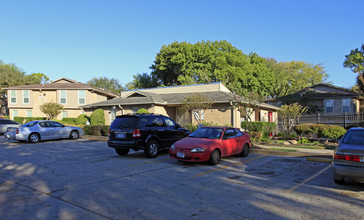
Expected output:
(180, 155)
(120, 136)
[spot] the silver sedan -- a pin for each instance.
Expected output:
(348, 159)
(5, 123)
(35, 131)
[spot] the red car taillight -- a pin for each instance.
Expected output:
(136, 133)
(17, 131)
(354, 158)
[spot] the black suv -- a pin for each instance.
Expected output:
(144, 132)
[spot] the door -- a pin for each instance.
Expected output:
(44, 130)
(57, 130)
(230, 143)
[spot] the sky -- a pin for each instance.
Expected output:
(82, 39)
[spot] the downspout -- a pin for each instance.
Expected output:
(122, 110)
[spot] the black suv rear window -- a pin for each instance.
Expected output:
(124, 122)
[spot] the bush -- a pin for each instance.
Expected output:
(97, 130)
(69, 121)
(23, 120)
(82, 119)
(5, 116)
(255, 136)
(143, 111)
(97, 117)
(304, 129)
(333, 131)
(259, 126)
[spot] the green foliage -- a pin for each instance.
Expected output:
(259, 126)
(5, 116)
(51, 109)
(256, 136)
(82, 119)
(193, 127)
(97, 117)
(105, 83)
(289, 115)
(142, 81)
(96, 130)
(303, 141)
(355, 61)
(321, 130)
(69, 121)
(23, 120)
(333, 131)
(143, 111)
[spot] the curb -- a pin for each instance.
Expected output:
(319, 159)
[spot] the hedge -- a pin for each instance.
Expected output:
(321, 130)
(23, 120)
(259, 126)
(82, 119)
(5, 116)
(69, 121)
(97, 130)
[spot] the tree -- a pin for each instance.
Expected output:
(105, 83)
(289, 115)
(290, 77)
(36, 78)
(143, 81)
(197, 105)
(355, 61)
(51, 109)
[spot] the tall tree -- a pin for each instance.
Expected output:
(35, 78)
(290, 77)
(143, 81)
(197, 105)
(355, 61)
(51, 109)
(105, 83)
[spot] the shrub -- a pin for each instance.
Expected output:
(304, 129)
(143, 111)
(23, 120)
(5, 116)
(97, 117)
(69, 121)
(333, 131)
(255, 136)
(97, 130)
(303, 141)
(318, 129)
(259, 126)
(82, 119)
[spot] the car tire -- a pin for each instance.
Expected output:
(74, 135)
(214, 157)
(122, 152)
(34, 138)
(151, 149)
(245, 151)
(339, 181)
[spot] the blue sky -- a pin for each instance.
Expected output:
(82, 39)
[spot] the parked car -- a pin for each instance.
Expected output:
(35, 131)
(210, 144)
(348, 161)
(144, 132)
(5, 123)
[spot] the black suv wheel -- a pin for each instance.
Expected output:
(151, 149)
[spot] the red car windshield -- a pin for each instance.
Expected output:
(206, 132)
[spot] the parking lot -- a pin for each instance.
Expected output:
(84, 179)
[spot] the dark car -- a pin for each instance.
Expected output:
(348, 159)
(150, 133)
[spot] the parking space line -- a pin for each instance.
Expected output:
(154, 161)
(225, 167)
(307, 180)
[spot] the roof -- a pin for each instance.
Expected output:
(141, 97)
(312, 93)
(64, 84)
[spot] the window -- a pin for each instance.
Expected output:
(134, 109)
(26, 96)
(229, 134)
(15, 113)
(329, 105)
(346, 105)
(81, 97)
(62, 99)
(169, 122)
(29, 113)
(64, 114)
(12, 96)
(155, 122)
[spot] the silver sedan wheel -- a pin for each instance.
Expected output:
(74, 135)
(34, 138)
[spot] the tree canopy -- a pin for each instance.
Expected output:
(182, 63)
(105, 83)
(355, 61)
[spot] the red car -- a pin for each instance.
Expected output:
(210, 144)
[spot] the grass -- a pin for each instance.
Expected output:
(310, 145)
(282, 149)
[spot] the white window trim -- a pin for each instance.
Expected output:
(84, 92)
(17, 114)
(60, 97)
(342, 103)
(62, 114)
(26, 97)
(15, 97)
(31, 113)
(333, 104)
